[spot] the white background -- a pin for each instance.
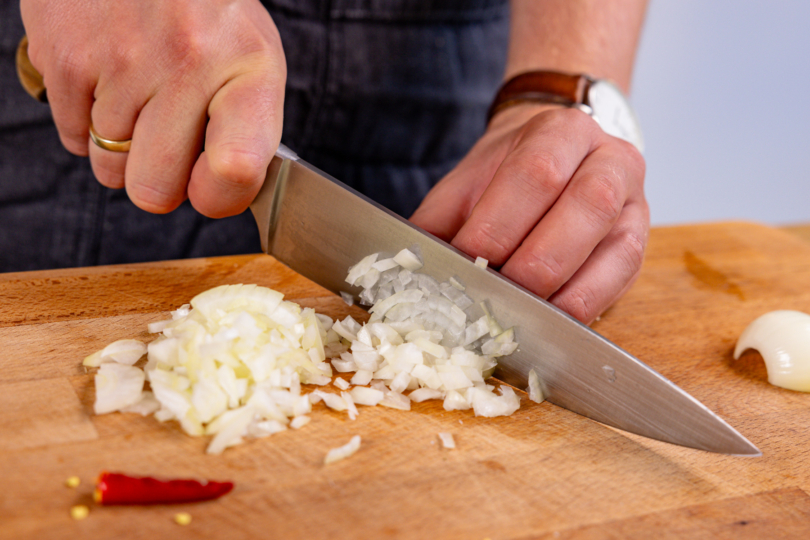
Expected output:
(722, 89)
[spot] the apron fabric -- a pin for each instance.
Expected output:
(385, 95)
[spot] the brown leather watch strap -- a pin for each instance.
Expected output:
(565, 89)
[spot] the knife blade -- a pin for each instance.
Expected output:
(320, 227)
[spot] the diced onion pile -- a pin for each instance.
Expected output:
(231, 364)
(423, 336)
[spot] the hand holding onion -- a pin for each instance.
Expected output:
(167, 74)
(554, 201)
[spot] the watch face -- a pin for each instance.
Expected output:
(614, 114)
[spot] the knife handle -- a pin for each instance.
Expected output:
(30, 78)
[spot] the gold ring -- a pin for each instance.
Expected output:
(109, 144)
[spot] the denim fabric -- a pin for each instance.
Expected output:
(385, 95)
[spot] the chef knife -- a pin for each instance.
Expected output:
(320, 227)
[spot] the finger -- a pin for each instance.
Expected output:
(586, 211)
(70, 81)
(242, 136)
(166, 141)
(527, 184)
(610, 270)
(449, 204)
(114, 114)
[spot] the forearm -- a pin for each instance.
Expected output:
(597, 37)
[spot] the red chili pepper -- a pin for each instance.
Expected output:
(116, 488)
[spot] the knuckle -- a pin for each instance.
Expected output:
(633, 245)
(545, 269)
(602, 197)
(486, 241)
(580, 303)
(123, 59)
(186, 49)
(73, 67)
(543, 172)
(634, 161)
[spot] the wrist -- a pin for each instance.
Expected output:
(518, 114)
(599, 98)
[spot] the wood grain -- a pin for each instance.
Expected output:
(43, 412)
(539, 472)
(782, 514)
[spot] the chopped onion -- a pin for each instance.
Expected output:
(447, 440)
(534, 390)
(352, 410)
(117, 386)
(342, 452)
(486, 403)
(145, 406)
(123, 351)
(481, 262)
(158, 327)
(408, 260)
(395, 400)
(232, 362)
(359, 270)
(333, 401)
(299, 421)
(424, 394)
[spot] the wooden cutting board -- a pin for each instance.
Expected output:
(542, 473)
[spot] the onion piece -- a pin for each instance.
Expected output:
(534, 390)
(423, 394)
(145, 406)
(299, 421)
(783, 339)
(117, 386)
(123, 351)
(360, 269)
(481, 262)
(447, 440)
(342, 452)
(395, 400)
(408, 260)
(351, 409)
(333, 401)
(366, 396)
(158, 326)
(488, 404)
(385, 264)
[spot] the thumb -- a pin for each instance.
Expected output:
(243, 133)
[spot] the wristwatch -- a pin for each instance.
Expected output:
(599, 98)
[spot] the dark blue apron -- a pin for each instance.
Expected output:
(385, 95)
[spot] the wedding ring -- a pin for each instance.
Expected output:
(109, 144)
(31, 80)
